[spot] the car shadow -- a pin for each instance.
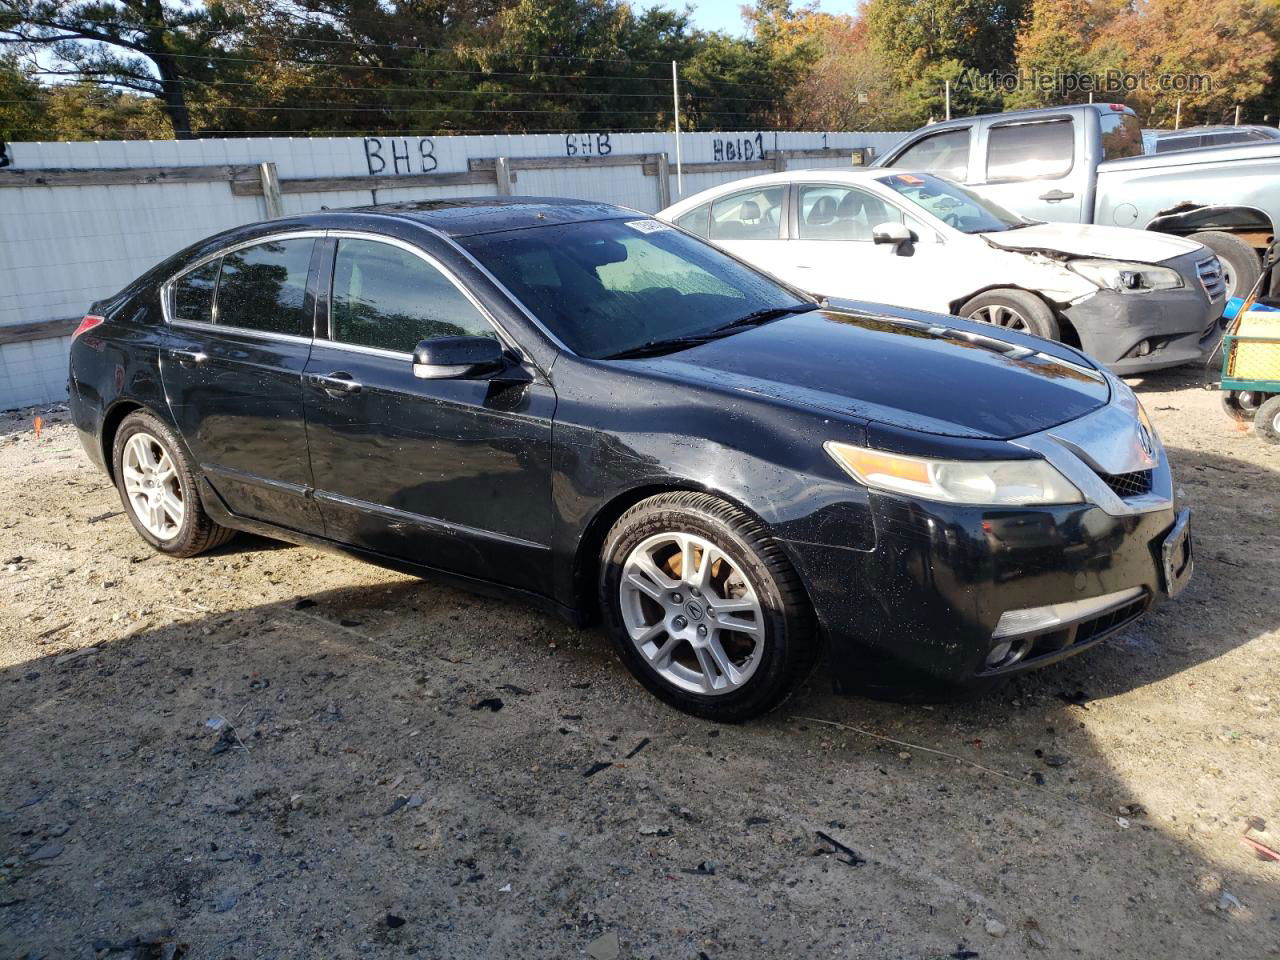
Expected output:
(372, 771)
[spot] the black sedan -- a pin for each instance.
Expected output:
(596, 411)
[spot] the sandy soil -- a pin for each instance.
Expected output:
(274, 752)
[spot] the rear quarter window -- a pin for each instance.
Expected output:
(1121, 136)
(193, 293)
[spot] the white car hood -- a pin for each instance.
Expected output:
(1087, 240)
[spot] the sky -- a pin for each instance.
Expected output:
(726, 15)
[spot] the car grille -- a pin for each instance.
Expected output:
(1210, 273)
(1125, 485)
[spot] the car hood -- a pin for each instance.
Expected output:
(1088, 240)
(923, 372)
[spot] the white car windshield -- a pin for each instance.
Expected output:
(952, 203)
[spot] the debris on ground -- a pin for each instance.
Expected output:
(605, 947)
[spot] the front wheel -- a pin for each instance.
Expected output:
(703, 607)
(158, 489)
(1015, 310)
(1240, 264)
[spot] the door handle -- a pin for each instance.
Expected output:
(337, 384)
(189, 358)
(1054, 196)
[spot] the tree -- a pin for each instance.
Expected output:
(23, 104)
(1053, 41)
(153, 47)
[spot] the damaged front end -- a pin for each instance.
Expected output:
(1133, 316)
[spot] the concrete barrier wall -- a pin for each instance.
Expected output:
(64, 246)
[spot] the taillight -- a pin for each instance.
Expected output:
(88, 323)
(1118, 107)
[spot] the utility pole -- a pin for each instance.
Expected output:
(947, 87)
(1237, 123)
(1177, 117)
(675, 99)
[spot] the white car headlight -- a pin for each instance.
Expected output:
(984, 482)
(1127, 277)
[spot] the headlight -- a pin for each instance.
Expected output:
(1127, 277)
(987, 482)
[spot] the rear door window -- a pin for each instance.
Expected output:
(1030, 151)
(748, 215)
(193, 293)
(263, 287)
(390, 299)
(696, 220)
(945, 154)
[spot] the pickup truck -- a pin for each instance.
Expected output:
(1085, 164)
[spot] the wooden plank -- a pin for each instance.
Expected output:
(271, 190)
(253, 188)
(116, 176)
(734, 166)
(664, 181)
(565, 163)
(41, 330)
(502, 174)
(857, 156)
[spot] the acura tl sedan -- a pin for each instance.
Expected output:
(588, 408)
(1136, 300)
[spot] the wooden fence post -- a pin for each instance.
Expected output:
(502, 171)
(664, 182)
(271, 190)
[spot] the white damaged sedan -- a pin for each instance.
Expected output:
(1134, 300)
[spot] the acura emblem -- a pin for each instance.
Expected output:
(1144, 437)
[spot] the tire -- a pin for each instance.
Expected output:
(735, 563)
(1267, 422)
(1015, 310)
(1234, 408)
(167, 482)
(1240, 264)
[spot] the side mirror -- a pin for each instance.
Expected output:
(895, 233)
(457, 358)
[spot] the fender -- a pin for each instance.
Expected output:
(1191, 217)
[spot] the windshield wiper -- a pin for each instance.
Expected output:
(672, 344)
(667, 345)
(756, 317)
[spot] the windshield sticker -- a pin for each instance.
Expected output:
(647, 226)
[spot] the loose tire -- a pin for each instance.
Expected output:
(1014, 310)
(158, 489)
(1240, 264)
(1267, 422)
(1235, 407)
(703, 607)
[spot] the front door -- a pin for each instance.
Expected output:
(833, 254)
(452, 474)
(239, 336)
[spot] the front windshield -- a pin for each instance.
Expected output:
(610, 286)
(952, 203)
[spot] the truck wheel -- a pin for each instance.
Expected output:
(1267, 422)
(1015, 310)
(1240, 264)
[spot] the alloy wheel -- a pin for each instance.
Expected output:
(1001, 316)
(692, 613)
(151, 486)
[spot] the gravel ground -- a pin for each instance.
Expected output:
(274, 752)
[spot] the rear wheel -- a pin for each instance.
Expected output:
(703, 607)
(1014, 310)
(158, 489)
(1240, 264)
(1267, 422)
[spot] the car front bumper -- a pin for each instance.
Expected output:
(1134, 333)
(921, 608)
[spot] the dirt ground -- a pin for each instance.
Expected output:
(271, 752)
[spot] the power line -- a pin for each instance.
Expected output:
(432, 91)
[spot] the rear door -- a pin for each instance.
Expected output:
(240, 332)
(1032, 168)
(453, 474)
(750, 223)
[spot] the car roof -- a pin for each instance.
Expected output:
(1217, 128)
(468, 216)
(863, 176)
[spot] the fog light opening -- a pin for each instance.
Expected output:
(1007, 652)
